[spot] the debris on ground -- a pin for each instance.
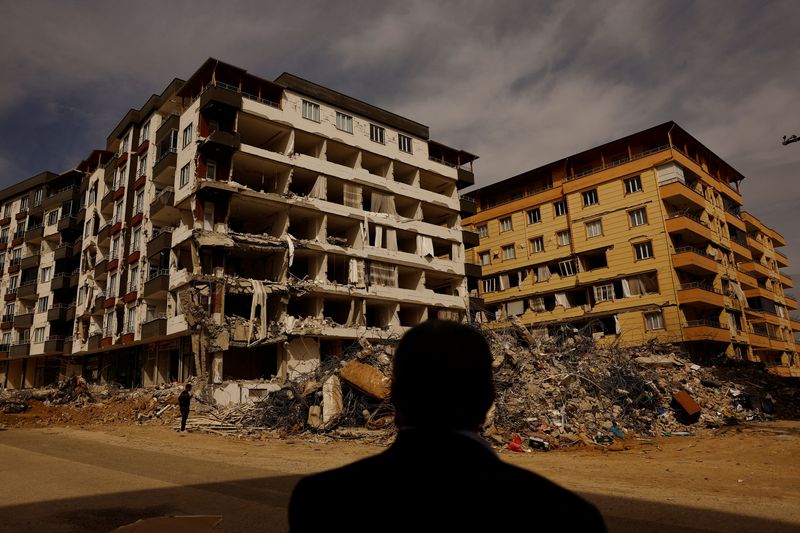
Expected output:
(551, 392)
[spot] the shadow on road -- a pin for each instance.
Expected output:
(260, 504)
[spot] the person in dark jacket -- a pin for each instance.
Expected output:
(439, 474)
(183, 402)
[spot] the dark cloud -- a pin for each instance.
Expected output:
(520, 83)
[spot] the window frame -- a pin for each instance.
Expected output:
(310, 111)
(530, 214)
(594, 223)
(342, 121)
(184, 179)
(633, 179)
(592, 195)
(405, 140)
(377, 133)
(659, 314)
(487, 255)
(483, 231)
(510, 224)
(606, 290)
(560, 205)
(631, 217)
(506, 248)
(559, 239)
(186, 135)
(649, 247)
(537, 241)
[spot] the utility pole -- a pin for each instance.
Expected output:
(790, 139)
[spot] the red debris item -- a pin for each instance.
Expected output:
(686, 403)
(515, 445)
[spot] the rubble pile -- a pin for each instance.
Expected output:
(567, 389)
(552, 391)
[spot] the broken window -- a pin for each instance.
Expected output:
(567, 267)
(603, 293)
(382, 274)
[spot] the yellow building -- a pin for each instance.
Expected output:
(641, 238)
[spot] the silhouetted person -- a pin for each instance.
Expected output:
(439, 474)
(184, 400)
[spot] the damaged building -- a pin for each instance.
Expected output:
(241, 229)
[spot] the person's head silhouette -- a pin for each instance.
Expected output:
(442, 377)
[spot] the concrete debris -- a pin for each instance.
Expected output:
(367, 379)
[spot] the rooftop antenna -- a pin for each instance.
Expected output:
(790, 139)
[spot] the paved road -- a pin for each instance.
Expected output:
(57, 481)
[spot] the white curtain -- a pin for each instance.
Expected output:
(391, 239)
(542, 273)
(626, 290)
(425, 246)
(537, 304)
(352, 195)
(504, 283)
(515, 308)
(561, 299)
(378, 237)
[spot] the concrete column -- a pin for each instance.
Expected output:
(216, 368)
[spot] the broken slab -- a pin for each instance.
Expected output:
(659, 361)
(367, 379)
(686, 403)
(315, 416)
(332, 403)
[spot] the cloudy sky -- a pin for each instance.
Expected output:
(518, 83)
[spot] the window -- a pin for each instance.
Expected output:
(485, 258)
(604, 293)
(643, 250)
(109, 324)
(139, 204)
(145, 132)
(137, 238)
(534, 216)
(46, 274)
(118, 212)
(483, 231)
(23, 204)
(187, 136)
(344, 122)
(310, 110)
(638, 217)
(560, 208)
(6, 210)
(489, 285)
(134, 279)
(404, 142)
(37, 197)
(92, 194)
(12, 284)
(537, 245)
(115, 248)
(52, 217)
(123, 172)
(42, 304)
(654, 320)
(9, 312)
(633, 184)
(131, 322)
(4, 235)
(143, 165)
(185, 174)
(7, 339)
(590, 198)
(112, 285)
(125, 142)
(38, 335)
(563, 238)
(211, 170)
(377, 134)
(594, 229)
(81, 294)
(505, 224)
(567, 267)
(508, 252)
(2, 260)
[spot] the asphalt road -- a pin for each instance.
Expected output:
(71, 480)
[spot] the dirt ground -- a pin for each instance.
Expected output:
(92, 478)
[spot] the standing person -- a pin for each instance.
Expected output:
(439, 474)
(183, 402)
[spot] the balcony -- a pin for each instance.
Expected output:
(100, 270)
(74, 278)
(740, 249)
(4, 350)
(679, 194)
(691, 228)
(471, 270)
(706, 330)
(468, 206)
(105, 342)
(119, 193)
(28, 290)
(786, 281)
(107, 203)
(94, 341)
(67, 345)
(758, 338)
(746, 279)
(465, 178)
(160, 242)
(790, 301)
(20, 350)
(734, 219)
(220, 96)
(162, 210)
(34, 234)
(781, 259)
(221, 141)
(54, 345)
(30, 261)
(11, 295)
(756, 269)
(470, 239)
(60, 281)
(700, 295)
(104, 235)
(69, 222)
(6, 322)
(164, 169)
(157, 285)
(99, 301)
(694, 260)
(156, 327)
(760, 292)
(70, 316)
(64, 251)
(23, 321)
(57, 312)
(756, 245)
(61, 196)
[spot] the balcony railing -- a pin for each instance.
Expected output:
(158, 272)
(689, 216)
(699, 285)
(618, 162)
(249, 96)
(704, 323)
(692, 249)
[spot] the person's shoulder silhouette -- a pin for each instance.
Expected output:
(439, 473)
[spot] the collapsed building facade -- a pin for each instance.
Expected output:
(241, 229)
(638, 239)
